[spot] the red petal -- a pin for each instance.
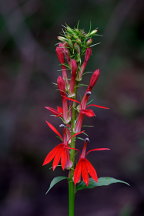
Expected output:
(77, 172)
(91, 170)
(57, 158)
(63, 158)
(88, 112)
(85, 175)
(71, 99)
(59, 109)
(98, 149)
(54, 129)
(103, 107)
(50, 156)
(54, 111)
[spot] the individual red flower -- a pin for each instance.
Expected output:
(84, 168)
(60, 153)
(83, 104)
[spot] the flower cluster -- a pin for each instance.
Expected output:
(73, 52)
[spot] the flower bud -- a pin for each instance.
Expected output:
(74, 67)
(93, 32)
(88, 54)
(89, 42)
(63, 39)
(60, 54)
(69, 29)
(93, 79)
(61, 85)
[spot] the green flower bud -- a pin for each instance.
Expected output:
(63, 39)
(69, 29)
(93, 32)
(89, 42)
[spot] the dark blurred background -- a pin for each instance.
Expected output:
(29, 66)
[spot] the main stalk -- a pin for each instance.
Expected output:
(71, 186)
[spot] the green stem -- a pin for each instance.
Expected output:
(71, 186)
(71, 206)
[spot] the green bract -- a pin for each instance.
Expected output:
(77, 41)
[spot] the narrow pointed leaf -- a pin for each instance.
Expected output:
(102, 181)
(55, 181)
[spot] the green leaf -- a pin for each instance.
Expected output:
(102, 181)
(55, 181)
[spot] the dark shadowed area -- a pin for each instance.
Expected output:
(28, 69)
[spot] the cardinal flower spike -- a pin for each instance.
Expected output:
(73, 51)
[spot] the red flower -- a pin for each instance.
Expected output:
(60, 153)
(84, 168)
(83, 104)
(84, 111)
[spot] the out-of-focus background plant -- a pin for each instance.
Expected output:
(28, 66)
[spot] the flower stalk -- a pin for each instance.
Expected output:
(71, 186)
(73, 52)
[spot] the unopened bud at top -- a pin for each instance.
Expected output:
(89, 42)
(93, 32)
(61, 38)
